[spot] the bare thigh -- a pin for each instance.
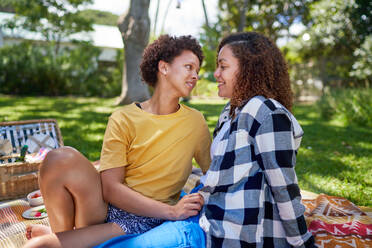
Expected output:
(78, 238)
(72, 190)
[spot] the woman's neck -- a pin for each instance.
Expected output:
(161, 103)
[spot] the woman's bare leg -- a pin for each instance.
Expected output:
(78, 238)
(71, 188)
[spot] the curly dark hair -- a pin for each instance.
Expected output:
(262, 69)
(166, 48)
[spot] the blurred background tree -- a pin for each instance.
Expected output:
(99, 17)
(54, 20)
(272, 18)
(47, 67)
(134, 27)
(336, 42)
(333, 41)
(328, 45)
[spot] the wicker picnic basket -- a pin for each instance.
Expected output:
(19, 178)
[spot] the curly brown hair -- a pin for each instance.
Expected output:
(262, 69)
(166, 48)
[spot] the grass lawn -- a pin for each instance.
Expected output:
(334, 159)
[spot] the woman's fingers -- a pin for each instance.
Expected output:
(196, 197)
(192, 213)
(189, 205)
(193, 206)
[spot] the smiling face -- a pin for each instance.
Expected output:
(182, 72)
(226, 72)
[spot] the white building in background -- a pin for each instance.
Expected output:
(107, 38)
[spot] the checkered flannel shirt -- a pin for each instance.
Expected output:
(251, 194)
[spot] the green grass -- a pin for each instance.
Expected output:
(82, 120)
(334, 159)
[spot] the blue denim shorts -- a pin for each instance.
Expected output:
(171, 234)
(131, 223)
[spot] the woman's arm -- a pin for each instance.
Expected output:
(113, 161)
(202, 151)
(277, 157)
(121, 196)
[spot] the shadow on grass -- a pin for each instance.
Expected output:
(332, 160)
(81, 125)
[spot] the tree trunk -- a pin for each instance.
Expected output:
(1, 38)
(205, 14)
(243, 18)
(135, 29)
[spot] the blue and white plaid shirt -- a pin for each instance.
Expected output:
(251, 194)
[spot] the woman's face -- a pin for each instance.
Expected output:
(182, 73)
(226, 71)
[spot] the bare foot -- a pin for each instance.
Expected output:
(33, 231)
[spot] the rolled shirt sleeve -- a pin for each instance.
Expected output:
(114, 147)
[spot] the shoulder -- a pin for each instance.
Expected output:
(124, 117)
(123, 112)
(259, 110)
(194, 113)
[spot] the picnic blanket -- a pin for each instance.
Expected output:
(334, 221)
(13, 225)
(337, 222)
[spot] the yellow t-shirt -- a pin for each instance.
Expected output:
(156, 150)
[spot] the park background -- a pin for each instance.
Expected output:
(52, 66)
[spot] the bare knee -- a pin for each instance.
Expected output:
(58, 160)
(67, 167)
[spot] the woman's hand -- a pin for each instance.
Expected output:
(189, 205)
(121, 196)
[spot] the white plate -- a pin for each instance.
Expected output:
(30, 213)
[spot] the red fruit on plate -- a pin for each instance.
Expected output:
(36, 195)
(38, 214)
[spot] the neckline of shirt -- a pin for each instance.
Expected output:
(180, 110)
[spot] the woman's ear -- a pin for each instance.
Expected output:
(163, 67)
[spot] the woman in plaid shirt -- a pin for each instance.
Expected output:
(251, 194)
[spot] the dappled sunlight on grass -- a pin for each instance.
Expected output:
(338, 122)
(331, 185)
(334, 158)
(365, 145)
(82, 120)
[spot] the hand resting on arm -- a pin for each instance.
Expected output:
(121, 196)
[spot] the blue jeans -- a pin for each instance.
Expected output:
(185, 233)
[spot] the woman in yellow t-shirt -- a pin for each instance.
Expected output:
(145, 161)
